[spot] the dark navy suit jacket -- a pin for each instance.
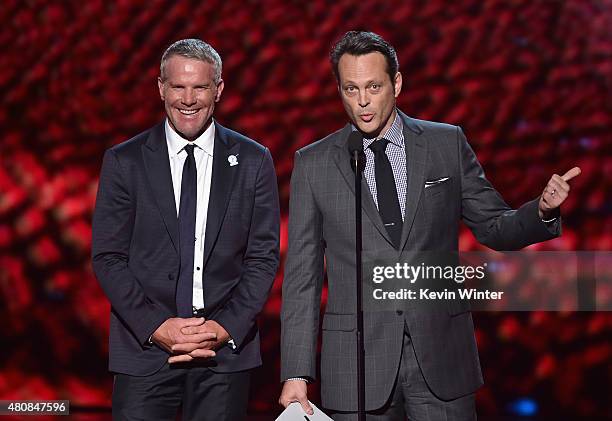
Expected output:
(136, 246)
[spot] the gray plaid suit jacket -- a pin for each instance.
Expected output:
(321, 236)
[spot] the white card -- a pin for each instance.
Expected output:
(294, 412)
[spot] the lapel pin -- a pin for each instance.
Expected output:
(233, 160)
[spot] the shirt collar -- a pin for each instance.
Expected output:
(394, 134)
(176, 143)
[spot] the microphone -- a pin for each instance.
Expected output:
(358, 161)
(355, 147)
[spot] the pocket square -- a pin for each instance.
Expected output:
(431, 183)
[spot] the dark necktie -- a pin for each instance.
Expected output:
(187, 218)
(386, 192)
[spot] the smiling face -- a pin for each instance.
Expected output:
(189, 93)
(367, 92)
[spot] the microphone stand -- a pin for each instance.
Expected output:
(359, 286)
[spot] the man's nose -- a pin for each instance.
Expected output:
(364, 98)
(189, 97)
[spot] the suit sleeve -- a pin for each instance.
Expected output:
(303, 280)
(485, 212)
(113, 220)
(260, 261)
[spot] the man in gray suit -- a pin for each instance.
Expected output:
(418, 364)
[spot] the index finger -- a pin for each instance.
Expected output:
(192, 330)
(192, 321)
(184, 358)
(571, 174)
(198, 337)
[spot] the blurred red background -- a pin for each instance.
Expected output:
(529, 82)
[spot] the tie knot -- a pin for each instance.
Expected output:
(189, 149)
(379, 145)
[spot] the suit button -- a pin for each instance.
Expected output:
(171, 276)
(399, 312)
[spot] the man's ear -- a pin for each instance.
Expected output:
(220, 87)
(160, 86)
(397, 84)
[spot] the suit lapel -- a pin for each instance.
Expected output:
(415, 141)
(157, 167)
(342, 160)
(221, 185)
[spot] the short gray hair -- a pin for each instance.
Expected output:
(195, 49)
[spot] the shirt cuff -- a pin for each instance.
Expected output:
(297, 378)
(553, 216)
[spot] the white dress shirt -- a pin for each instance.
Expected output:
(203, 153)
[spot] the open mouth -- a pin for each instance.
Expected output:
(366, 117)
(188, 112)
